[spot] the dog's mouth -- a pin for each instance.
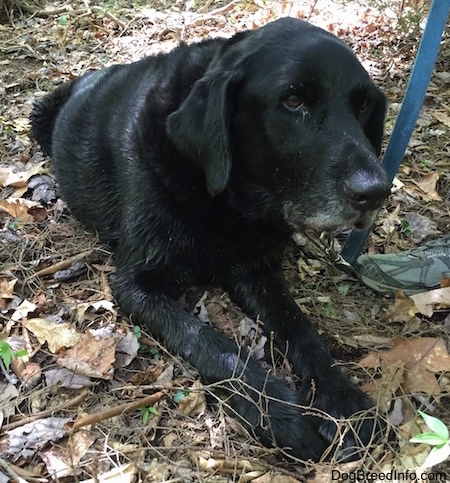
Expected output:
(365, 220)
(331, 218)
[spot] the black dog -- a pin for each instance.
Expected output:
(197, 166)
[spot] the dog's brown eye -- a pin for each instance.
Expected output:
(293, 101)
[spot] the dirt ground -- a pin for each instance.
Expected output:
(87, 396)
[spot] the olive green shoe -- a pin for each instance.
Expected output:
(412, 271)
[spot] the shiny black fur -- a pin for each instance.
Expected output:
(197, 166)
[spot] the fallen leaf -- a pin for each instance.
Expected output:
(62, 460)
(423, 358)
(65, 378)
(19, 179)
(91, 357)
(6, 290)
(420, 226)
(25, 440)
(120, 474)
(23, 310)
(87, 310)
(427, 302)
(442, 117)
(127, 348)
(391, 221)
(384, 388)
(8, 399)
(195, 401)
(428, 187)
(403, 309)
(18, 208)
(57, 336)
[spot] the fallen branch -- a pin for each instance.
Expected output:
(116, 411)
(60, 265)
(7, 468)
(48, 412)
(78, 12)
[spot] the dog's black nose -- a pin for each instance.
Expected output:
(366, 191)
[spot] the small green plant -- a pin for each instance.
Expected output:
(146, 412)
(154, 351)
(181, 394)
(14, 225)
(137, 331)
(406, 228)
(7, 353)
(438, 438)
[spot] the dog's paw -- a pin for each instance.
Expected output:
(275, 417)
(353, 423)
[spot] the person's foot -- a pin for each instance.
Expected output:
(412, 271)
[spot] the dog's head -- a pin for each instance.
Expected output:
(288, 116)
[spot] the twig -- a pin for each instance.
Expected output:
(11, 473)
(78, 13)
(116, 411)
(205, 7)
(60, 265)
(21, 46)
(48, 412)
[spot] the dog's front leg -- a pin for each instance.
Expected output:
(265, 294)
(268, 407)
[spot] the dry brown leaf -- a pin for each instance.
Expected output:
(28, 372)
(426, 302)
(195, 401)
(62, 460)
(428, 187)
(19, 179)
(91, 357)
(18, 208)
(57, 336)
(391, 221)
(383, 389)
(442, 117)
(403, 309)
(23, 310)
(87, 310)
(6, 290)
(120, 474)
(423, 357)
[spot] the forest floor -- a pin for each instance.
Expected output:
(87, 396)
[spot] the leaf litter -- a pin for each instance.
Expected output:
(79, 388)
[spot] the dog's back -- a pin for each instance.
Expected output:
(88, 118)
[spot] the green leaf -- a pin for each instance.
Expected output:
(436, 425)
(343, 288)
(137, 331)
(432, 439)
(20, 353)
(152, 410)
(437, 455)
(5, 353)
(145, 416)
(155, 352)
(63, 20)
(179, 395)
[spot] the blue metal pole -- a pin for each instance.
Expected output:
(407, 117)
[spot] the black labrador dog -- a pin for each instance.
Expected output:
(198, 166)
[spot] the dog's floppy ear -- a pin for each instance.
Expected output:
(200, 127)
(375, 124)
